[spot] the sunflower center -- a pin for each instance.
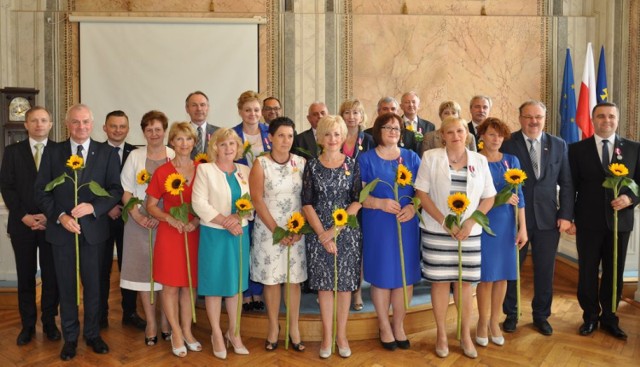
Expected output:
(175, 184)
(458, 204)
(294, 223)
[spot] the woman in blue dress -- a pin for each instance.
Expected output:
(380, 214)
(498, 253)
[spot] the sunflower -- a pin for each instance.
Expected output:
(340, 217)
(201, 158)
(75, 162)
(409, 127)
(243, 205)
(174, 184)
(618, 169)
(143, 177)
(458, 203)
(403, 175)
(480, 145)
(515, 176)
(295, 223)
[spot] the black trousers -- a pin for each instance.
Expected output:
(64, 257)
(27, 250)
(544, 246)
(129, 297)
(595, 248)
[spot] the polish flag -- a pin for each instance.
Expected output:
(587, 99)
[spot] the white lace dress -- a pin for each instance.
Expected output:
(282, 187)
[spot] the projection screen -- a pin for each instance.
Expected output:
(138, 65)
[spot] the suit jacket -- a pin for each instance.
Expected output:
(17, 178)
(541, 194)
(472, 130)
(307, 141)
(593, 202)
(210, 130)
(103, 167)
(424, 126)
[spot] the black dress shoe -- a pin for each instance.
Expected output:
(403, 344)
(509, 324)
(588, 328)
(135, 321)
(247, 307)
(25, 335)
(98, 345)
(614, 330)
(257, 305)
(68, 351)
(392, 345)
(543, 327)
(51, 331)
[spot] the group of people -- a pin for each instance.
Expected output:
(219, 250)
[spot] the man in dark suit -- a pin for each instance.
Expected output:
(544, 159)
(410, 104)
(197, 106)
(26, 227)
(271, 109)
(88, 220)
(479, 107)
(594, 206)
(307, 139)
(390, 105)
(116, 126)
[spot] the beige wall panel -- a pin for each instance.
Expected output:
(447, 7)
(445, 58)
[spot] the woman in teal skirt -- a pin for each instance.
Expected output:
(221, 183)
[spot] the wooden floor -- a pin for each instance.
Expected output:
(525, 347)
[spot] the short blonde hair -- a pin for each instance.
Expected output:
(182, 127)
(354, 104)
(328, 123)
(451, 120)
(223, 134)
(248, 96)
(455, 106)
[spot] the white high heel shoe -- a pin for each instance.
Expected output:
(194, 347)
(219, 355)
(236, 350)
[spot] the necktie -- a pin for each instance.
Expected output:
(38, 155)
(533, 154)
(79, 151)
(199, 141)
(605, 155)
(119, 157)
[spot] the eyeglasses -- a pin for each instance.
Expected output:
(537, 118)
(269, 109)
(391, 129)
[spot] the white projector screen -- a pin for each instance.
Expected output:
(141, 66)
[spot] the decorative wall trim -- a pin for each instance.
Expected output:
(346, 50)
(633, 71)
(273, 87)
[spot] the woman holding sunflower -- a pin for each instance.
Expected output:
(276, 184)
(332, 181)
(498, 252)
(135, 176)
(216, 192)
(380, 214)
(443, 171)
(172, 183)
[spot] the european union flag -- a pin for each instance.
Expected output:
(602, 94)
(568, 126)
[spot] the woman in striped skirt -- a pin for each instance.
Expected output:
(445, 171)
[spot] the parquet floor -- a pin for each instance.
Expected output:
(525, 347)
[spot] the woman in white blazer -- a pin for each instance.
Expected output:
(445, 171)
(218, 185)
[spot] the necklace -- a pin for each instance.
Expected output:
(280, 163)
(459, 158)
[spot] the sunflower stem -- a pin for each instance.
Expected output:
(614, 295)
(75, 198)
(286, 328)
(151, 265)
(186, 250)
(335, 293)
(405, 293)
(459, 327)
(239, 309)
(518, 299)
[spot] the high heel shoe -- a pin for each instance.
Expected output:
(194, 347)
(236, 350)
(325, 353)
(344, 352)
(497, 340)
(392, 345)
(166, 336)
(297, 347)
(403, 344)
(442, 353)
(483, 342)
(471, 353)
(220, 355)
(180, 352)
(150, 341)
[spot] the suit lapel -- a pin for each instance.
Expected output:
(523, 151)
(26, 154)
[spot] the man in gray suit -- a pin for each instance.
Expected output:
(197, 106)
(544, 158)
